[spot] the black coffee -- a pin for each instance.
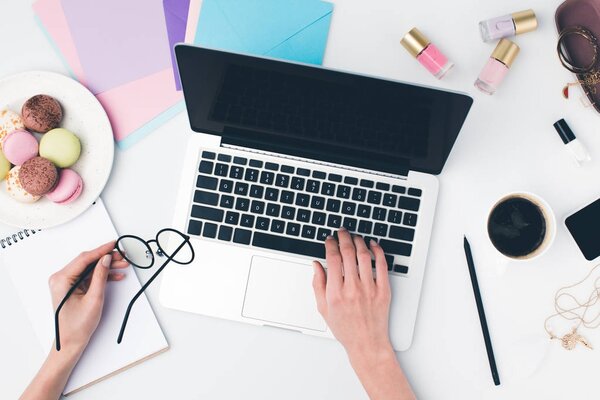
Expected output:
(517, 227)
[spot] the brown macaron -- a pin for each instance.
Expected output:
(38, 176)
(41, 113)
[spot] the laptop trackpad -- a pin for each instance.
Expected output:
(281, 292)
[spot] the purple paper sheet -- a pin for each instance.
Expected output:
(118, 41)
(176, 15)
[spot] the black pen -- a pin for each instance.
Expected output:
(482, 320)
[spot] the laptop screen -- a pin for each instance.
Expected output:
(319, 113)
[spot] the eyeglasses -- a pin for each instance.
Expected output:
(138, 253)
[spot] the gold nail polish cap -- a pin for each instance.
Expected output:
(415, 42)
(506, 52)
(525, 21)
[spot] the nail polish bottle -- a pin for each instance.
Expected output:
(426, 53)
(508, 25)
(577, 150)
(497, 66)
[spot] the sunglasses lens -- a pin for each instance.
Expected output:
(136, 251)
(170, 240)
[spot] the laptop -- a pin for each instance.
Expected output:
(281, 156)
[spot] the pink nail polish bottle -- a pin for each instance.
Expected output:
(497, 67)
(426, 53)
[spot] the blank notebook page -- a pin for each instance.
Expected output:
(31, 261)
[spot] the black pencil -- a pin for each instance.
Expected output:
(482, 320)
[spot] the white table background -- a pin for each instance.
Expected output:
(507, 144)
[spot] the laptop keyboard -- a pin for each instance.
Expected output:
(292, 209)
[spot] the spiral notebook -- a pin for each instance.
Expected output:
(31, 256)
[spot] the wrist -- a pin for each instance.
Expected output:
(67, 357)
(371, 358)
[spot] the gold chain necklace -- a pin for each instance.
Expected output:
(576, 311)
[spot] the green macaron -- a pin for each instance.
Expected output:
(61, 147)
(4, 166)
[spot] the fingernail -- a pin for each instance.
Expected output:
(329, 237)
(373, 243)
(342, 229)
(106, 260)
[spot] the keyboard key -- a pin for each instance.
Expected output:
(202, 197)
(208, 155)
(334, 221)
(313, 186)
(293, 229)
(359, 194)
(277, 226)
(282, 180)
(366, 183)
(206, 167)
(221, 169)
(226, 201)
(408, 203)
(343, 191)
(350, 224)
(288, 169)
(303, 172)
(194, 227)
(247, 220)
(273, 209)
(390, 200)
(224, 157)
(241, 189)
(322, 234)
(382, 186)
(208, 213)
(364, 211)
(398, 189)
(350, 180)
(410, 219)
(390, 261)
(242, 236)
(328, 189)
(318, 218)
(232, 218)
(242, 204)
(207, 182)
(333, 205)
(374, 197)
(225, 233)
(303, 215)
(236, 172)
(365, 227)
(379, 213)
(309, 232)
(262, 223)
(256, 191)
(256, 163)
(402, 269)
(288, 212)
(271, 194)
(319, 174)
(380, 229)
(402, 233)
(287, 197)
(317, 202)
(267, 178)
(226, 186)
(257, 207)
(210, 230)
(251, 175)
(348, 208)
(240, 160)
(302, 200)
(393, 247)
(415, 192)
(272, 166)
(297, 183)
(395, 217)
(289, 245)
(335, 177)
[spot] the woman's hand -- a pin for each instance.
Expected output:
(355, 303)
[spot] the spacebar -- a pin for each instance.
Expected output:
(295, 246)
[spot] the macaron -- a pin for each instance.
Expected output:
(41, 113)
(9, 121)
(38, 176)
(68, 188)
(15, 190)
(4, 166)
(19, 146)
(61, 147)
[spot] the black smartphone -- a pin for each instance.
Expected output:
(584, 226)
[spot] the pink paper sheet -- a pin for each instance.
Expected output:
(192, 22)
(129, 106)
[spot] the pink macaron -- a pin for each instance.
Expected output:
(67, 189)
(19, 146)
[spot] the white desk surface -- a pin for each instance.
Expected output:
(507, 144)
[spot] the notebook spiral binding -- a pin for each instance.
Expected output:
(16, 237)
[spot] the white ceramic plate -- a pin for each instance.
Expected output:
(84, 116)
